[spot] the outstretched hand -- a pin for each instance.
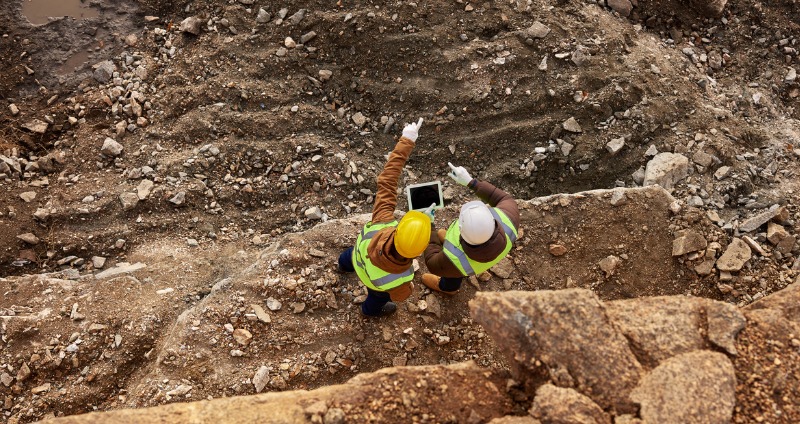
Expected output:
(430, 211)
(459, 174)
(411, 131)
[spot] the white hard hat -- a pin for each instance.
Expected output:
(476, 222)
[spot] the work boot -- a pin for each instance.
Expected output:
(388, 309)
(442, 233)
(432, 282)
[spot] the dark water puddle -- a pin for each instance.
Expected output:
(38, 11)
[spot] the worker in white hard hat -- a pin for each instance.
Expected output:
(481, 237)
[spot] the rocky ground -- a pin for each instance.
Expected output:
(173, 203)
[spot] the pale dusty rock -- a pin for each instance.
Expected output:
(515, 420)
(128, 200)
(563, 405)
(776, 233)
(537, 30)
(111, 147)
(13, 109)
(325, 74)
(261, 314)
(666, 169)
(754, 222)
(36, 126)
(557, 249)
(736, 255)
(722, 172)
(572, 125)
(690, 241)
(193, 25)
(694, 387)
(609, 265)
(98, 262)
(616, 144)
(261, 378)
(104, 71)
(242, 336)
(359, 119)
(121, 268)
(618, 197)
(589, 354)
(503, 269)
(29, 238)
(144, 188)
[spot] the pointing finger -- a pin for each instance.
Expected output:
(452, 167)
(419, 123)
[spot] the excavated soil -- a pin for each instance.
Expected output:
(242, 135)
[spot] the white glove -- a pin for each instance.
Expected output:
(459, 174)
(430, 211)
(411, 131)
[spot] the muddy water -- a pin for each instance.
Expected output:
(37, 11)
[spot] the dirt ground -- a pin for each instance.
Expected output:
(241, 131)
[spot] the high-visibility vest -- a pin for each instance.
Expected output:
(369, 274)
(467, 266)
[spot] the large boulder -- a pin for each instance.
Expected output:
(563, 335)
(695, 387)
(557, 405)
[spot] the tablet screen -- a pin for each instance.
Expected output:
(420, 196)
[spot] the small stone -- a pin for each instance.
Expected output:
(791, 75)
(192, 25)
(735, 256)
(776, 233)
(615, 145)
(13, 109)
(325, 74)
(143, 189)
(618, 197)
(23, 372)
(111, 147)
(722, 172)
(651, 151)
(261, 378)
(41, 389)
(281, 52)
(178, 199)
(261, 314)
(334, 416)
(313, 213)
(666, 169)
(359, 119)
(297, 17)
(36, 126)
(572, 125)
(6, 379)
(192, 242)
(289, 43)
(755, 222)
(609, 265)
(29, 238)
(557, 249)
(298, 307)
(128, 200)
(98, 262)
(305, 38)
(689, 242)
(181, 390)
(263, 16)
(28, 196)
(703, 159)
(623, 7)
(242, 336)
(273, 304)
(104, 71)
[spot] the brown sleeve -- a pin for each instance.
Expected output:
(401, 293)
(498, 198)
(437, 262)
(386, 198)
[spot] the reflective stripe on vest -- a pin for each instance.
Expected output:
(369, 274)
(467, 266)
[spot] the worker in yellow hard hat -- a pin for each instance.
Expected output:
(384, 250)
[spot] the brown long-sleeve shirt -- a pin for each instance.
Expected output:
(438, 263)
(381, 249)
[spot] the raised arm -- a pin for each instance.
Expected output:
(386, 198)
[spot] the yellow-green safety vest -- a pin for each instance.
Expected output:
(468, 266)
(369, 274)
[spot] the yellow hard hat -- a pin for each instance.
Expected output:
(413, 234)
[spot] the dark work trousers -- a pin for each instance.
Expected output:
(373, 305)
(450, 284)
